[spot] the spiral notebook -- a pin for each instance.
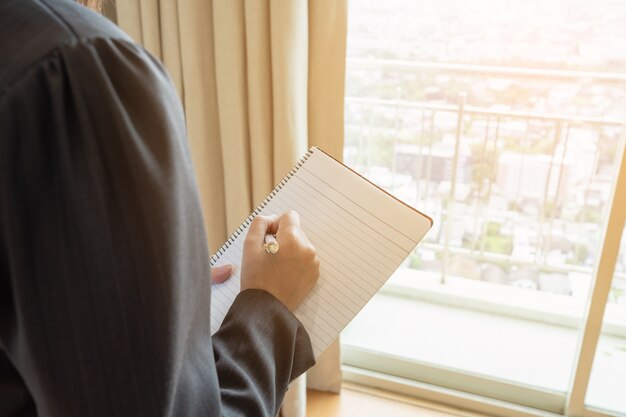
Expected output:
(361, 233)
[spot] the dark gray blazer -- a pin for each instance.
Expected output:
(104, 271)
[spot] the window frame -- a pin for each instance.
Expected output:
(572, 404)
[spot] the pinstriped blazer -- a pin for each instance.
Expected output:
(104, 272)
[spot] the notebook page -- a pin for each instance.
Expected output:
(361, 235)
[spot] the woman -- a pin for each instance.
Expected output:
(104, 271)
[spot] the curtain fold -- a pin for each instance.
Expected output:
(260, 82)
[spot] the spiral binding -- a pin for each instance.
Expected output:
(261, 206)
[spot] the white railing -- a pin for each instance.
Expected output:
(560, 126)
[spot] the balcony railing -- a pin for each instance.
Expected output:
(477, 139)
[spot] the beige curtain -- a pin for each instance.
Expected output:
(260, 81)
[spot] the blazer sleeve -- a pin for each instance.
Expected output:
(104, 269)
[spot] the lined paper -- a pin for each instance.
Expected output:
(361, 235)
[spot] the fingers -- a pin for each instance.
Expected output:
(275, 272)
(291, 228)
(288, 223)
(259, 227)
(289, 220)
(220, 274)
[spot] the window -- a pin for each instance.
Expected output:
(504, 121)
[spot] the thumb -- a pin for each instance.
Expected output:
(220, 274)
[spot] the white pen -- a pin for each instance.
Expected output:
(270, 244)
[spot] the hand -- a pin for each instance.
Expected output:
(290, 273)
(221, 273)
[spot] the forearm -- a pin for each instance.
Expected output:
(259, 349)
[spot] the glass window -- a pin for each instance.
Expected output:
(501, 120)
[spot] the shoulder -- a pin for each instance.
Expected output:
(31, 30)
